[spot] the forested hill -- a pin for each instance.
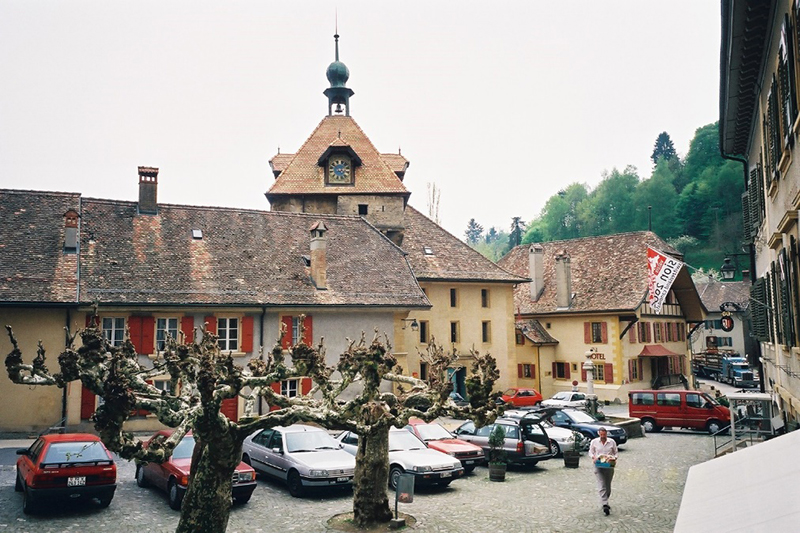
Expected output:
(694, 203)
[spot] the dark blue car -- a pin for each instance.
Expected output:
(585, 424)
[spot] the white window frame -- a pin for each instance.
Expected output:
(163, 326)
(113, 329)
(290, 388)
(228, 336)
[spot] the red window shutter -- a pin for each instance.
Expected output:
(135, 328)
(519, 371)
(88, 401)
(276, 388)
(632, 334)
(286, 341)
(247, 334)
(639, 363)
(647, 332)
(187, 328)
(608, 372)
(583, 374)
(148, 335)
(305, 385)
(566, 370)
(587, 332)
(674, 326)
(308, 337)
(92, 320)
(630, 369)
(142, 412)
(230, 408)
(555, 370)
(211, 322)
(604, 332)
(533, 371)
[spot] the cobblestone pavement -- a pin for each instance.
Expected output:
(647, 490)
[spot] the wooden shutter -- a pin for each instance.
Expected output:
(247, 334)
(631, 372)
(608, 372)
(566, 370)
(276, 388)
(187, 328)
(632, 335)
(211, 322)
(647, 332)
(555, 370)
(533, 371)
(92, 320)
(604, 332)
(88, 402)
(583, 374)
(308, 337)
(286, 340)
(230, 408)
(519, 370)
(587, 332)
(305, 385)
(142, 331)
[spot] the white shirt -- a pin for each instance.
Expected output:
(597, 448)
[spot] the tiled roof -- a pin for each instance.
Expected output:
(714, 293)
(535, 332)
(279, 162)
(33, 264)
(449, 258)
(303, 175)
(397, 162)
(608, 272)
(244, 257)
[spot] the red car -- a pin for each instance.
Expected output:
(522, 397)
(65, 467)
(172, 475)
(436, 437)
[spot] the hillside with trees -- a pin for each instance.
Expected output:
(694, 203)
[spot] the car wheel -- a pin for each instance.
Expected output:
(650, 425)
(246, 459)
(174, 495)
(18, 484)
(394, 476)
(713, 426)
(555, 449)
(295, 484)
(140, 479)
(28, 504)
(587, 435)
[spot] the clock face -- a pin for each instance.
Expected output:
(339, 170)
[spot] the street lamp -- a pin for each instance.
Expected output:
(588, 367)
(414, 323)
(728, 270)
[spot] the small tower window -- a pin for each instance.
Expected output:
(362, 209)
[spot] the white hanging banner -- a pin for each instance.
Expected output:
(661, 273)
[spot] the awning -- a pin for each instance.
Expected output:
(656, 350)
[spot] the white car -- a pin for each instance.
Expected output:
(302, 456)
(566, 399)
(560, 438)
(408, 454)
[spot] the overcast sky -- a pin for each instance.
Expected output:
(500, 104)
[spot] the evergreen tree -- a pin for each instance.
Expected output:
(664, 149)
(474, 231)
(515, 237)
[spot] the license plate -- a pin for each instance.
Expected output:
(76, 481)
(342, 479)
(447, 474)
(469, 462)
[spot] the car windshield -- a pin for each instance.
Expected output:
(581, 417)
(75, 452)
(510, 392)
(184, 448)
(432, 432)
(404, 440)
(309, 441)
(561, 396)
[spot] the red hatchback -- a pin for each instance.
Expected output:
(436, 437)
(172, 475)
(522, 397)
(65, 467)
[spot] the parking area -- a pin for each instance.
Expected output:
(647, 491)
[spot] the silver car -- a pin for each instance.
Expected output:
(302, 456)
(566, 399)
(408, 454)
(560, 438)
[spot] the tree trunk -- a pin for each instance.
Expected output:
(207, 504)
(370, 502)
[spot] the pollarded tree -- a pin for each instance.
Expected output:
(201, 377)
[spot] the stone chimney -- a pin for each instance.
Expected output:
(319, 261)
(148, 191)
(71, 231)
(563, 280)
(536, 270)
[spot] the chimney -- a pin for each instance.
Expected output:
(71, 231)
(563, 280)
(148, 191)
(745, 275)
(319, 261)
(536, 270)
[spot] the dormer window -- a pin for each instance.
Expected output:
(428, 250)
(339, 164)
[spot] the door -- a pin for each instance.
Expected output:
(669, 409)
(458, 377)
(695, 413)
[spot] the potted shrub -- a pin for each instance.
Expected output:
(572, 457)
(497, 455)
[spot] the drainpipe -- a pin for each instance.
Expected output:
(64, 390)
(261, 344)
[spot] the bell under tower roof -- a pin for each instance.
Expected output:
(338, 93)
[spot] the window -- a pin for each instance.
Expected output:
(520, 338)
(114, 330)
(635, 369)
(724, 341)
(423, 332)
(599, 373)
(694, 400)
(642, 398)
(423, 371)
(453, 297)
(643, 329)
(486, 331)
(228, 331)
(453, 331)
(561, 370)
(163, 385)
(597, 332)
(528, 370)
(290, 387)
(657, 332)
(164, 327)
(484, 297)
(362, 209)
(668, 398)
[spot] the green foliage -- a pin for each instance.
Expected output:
(515, 237)
(663, 149)
(497, 438)
(474, 231)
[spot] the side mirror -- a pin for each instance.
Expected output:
(22, 451)
(277, 450)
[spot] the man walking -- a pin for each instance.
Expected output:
(603, 452)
